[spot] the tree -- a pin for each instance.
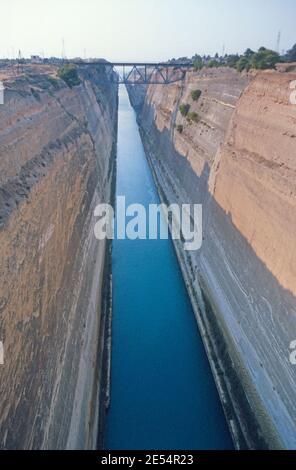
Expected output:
(197, 62)
(232, 60)
(193, 116)
(249, 52)
(195, 94)
(184, 109)
(291, 54)
(264, 59)
(243, 64)
(69, 74)
(213, 63)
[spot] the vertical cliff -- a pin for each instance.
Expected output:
(236, 156)
(57, 154)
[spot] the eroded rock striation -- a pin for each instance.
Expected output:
(235, 153)
(57, 154)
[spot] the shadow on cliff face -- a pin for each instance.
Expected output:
(257, 313)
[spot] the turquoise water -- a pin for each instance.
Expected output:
(163, 394)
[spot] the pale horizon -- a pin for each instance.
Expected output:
(135, 30)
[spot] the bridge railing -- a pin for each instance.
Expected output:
(144, 73)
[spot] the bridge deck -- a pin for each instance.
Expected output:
(145, 73)
(134, 64)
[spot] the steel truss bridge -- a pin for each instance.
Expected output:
(144, 73)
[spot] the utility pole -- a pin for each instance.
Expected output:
(278, 42)
(19, 62)
(63, 49)
(14, 71)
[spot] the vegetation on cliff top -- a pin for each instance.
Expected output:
(69, 74)
(291, 54)
(262, 59)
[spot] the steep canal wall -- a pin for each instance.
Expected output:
(234, 153)
(57, 154)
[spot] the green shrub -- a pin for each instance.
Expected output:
(249, 53)
(195, 94)
(193, 116)
(264, 59)
(180, 128)
(232, 60)
(291, 54)
(243, 64)
(69, 74)
(197, 62)
(213, 63)
(184, 109)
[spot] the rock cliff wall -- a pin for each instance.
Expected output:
(236, 157)
(57, 154)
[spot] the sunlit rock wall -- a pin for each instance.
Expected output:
(56, 163)
(238, 160)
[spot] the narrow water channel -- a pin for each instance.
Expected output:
(163, 395)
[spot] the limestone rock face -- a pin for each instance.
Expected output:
(237, 158)
(257, 165)
(56, 164)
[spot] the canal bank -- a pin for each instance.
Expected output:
(162, 390)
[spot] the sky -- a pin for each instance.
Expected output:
(143, 30)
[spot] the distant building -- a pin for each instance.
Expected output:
(36, 59)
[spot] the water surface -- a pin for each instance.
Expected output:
(163, 395)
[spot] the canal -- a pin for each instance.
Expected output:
(163, 394)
